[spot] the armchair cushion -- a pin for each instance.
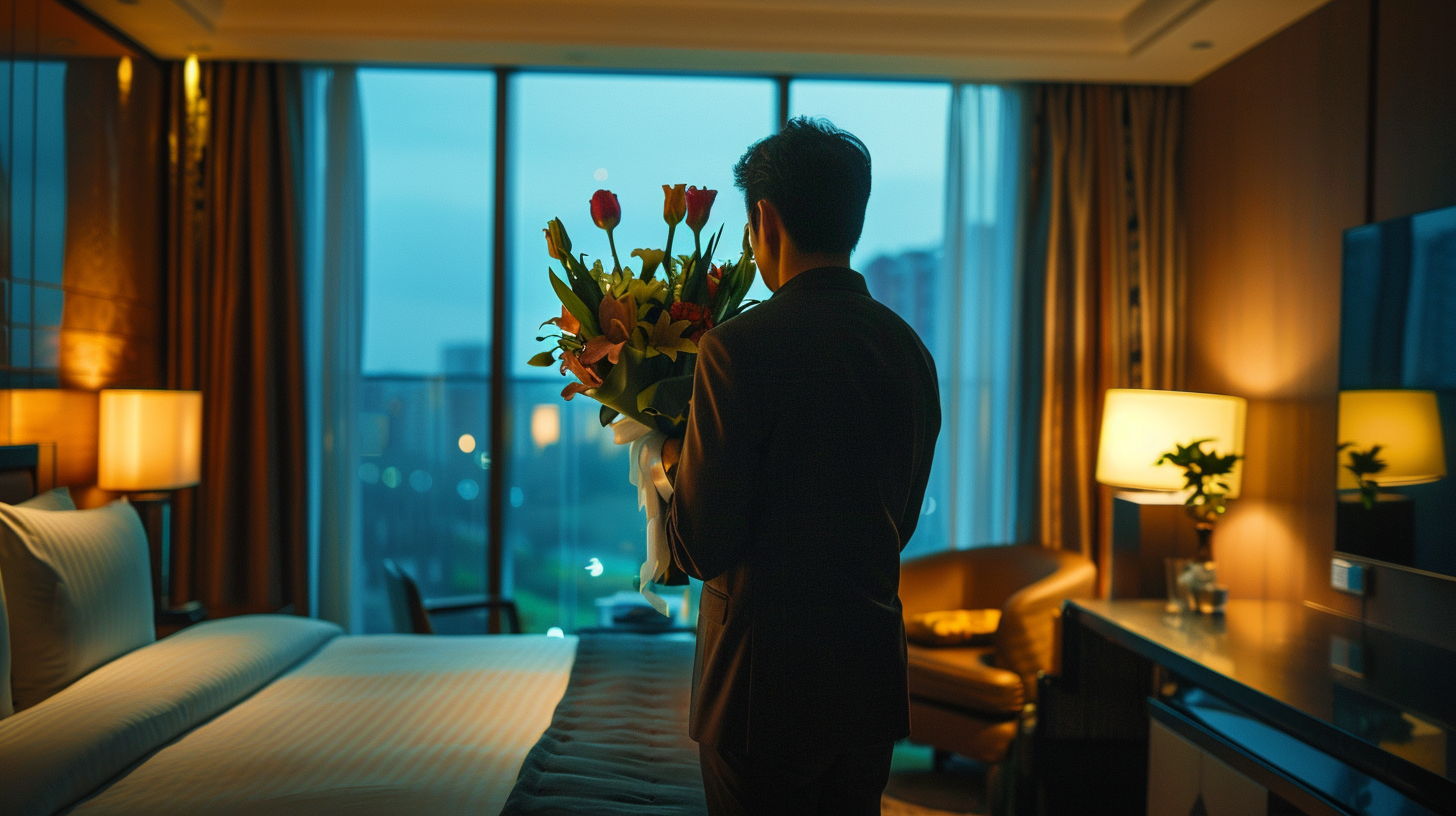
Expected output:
(953, 627)
(964, 678)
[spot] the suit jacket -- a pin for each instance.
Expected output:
(808, 449)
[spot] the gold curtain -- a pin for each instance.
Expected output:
(1110, 187)
(234, 316)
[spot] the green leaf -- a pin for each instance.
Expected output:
(542, 360)
(574, 304)
(670, 398)
(585, 286)
(695, 284)
(644, 398)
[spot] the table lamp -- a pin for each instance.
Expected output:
(1388, 439)
(1405, 425)
(150, 445)
(1139, 426)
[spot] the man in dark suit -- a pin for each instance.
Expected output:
(800, 480)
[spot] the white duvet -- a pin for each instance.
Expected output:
(281, 715)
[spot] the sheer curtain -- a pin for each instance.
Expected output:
(985, 457)
(334, 281)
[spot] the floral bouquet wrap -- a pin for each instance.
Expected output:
(630, 339)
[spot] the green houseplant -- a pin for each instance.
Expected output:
(1205, 474)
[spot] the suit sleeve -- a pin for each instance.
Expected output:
(709, 517)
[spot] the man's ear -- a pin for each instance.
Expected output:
(770, 227)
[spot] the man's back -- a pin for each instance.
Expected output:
(808, 451)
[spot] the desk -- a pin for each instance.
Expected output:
(1332, 716)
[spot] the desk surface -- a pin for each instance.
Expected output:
(1383, 702)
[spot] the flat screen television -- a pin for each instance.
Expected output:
(1398, 393)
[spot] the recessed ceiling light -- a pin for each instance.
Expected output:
(1202, 45)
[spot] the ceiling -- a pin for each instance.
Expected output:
(1172, 41)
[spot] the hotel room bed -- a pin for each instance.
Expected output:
(281, 714)
(284, 715)
(277, 714)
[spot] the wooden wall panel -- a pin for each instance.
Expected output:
(1275, 159)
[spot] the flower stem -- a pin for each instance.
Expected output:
(667, 253)
(616, 264)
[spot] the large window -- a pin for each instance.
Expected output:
(569, 498)
(424, 392)
(938, 248)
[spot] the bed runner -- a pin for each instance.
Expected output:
(618, 741)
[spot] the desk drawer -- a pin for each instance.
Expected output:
(1183, 779)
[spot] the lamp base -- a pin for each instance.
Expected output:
(155, 510)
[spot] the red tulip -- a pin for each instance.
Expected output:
(700, 203)
(605, 210)
(715, 278)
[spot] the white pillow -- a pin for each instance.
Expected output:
(78, 593)
(58, 499)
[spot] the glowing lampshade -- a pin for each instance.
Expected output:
(150, 440)
(1407, 427)
(1139, 426)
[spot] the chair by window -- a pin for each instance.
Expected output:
(411, 613)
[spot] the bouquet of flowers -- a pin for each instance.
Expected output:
(630, 337)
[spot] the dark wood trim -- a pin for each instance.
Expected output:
(20, 457)
(1372, 105)
(110, 30)
(782, 84)
(499, 382)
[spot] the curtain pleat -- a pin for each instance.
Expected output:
(235, 334)
(1113, 275)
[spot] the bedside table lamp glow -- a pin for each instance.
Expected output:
(151, 445)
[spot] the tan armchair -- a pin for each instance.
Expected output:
(968, 699)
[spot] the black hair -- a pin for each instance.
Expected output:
(818, 178)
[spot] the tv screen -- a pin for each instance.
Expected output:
(1396, 502)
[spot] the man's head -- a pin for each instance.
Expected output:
(806, 188)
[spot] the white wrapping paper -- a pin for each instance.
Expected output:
(645, 469)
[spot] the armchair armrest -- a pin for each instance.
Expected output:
(470, 603)
(1025, 639)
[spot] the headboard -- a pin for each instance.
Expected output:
(18, 467)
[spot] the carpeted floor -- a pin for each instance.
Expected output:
(916, 789)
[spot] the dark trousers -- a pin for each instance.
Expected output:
(843, 784)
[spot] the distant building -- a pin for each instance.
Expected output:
(906, 283)
(465, 359)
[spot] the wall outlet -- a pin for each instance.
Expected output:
(1349, 576)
